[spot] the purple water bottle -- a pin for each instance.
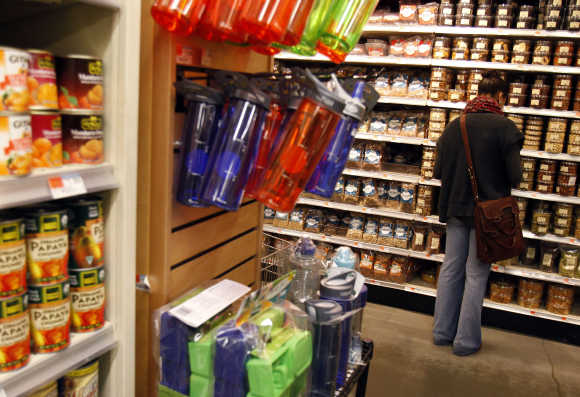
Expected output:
(204, 107)
(232, 155)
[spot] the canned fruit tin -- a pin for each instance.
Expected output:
(12, 257)
(80, 80)
(83, 381)
(88, 299)
(15, 144)
(82, 138)
(87, 234)
(46, 139)
(47, 246)
(50, 311)
(14, 65)
(14, 333)
(48, 390)
(42, 81)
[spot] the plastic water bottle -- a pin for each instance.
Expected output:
(307, 280)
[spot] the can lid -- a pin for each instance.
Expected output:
(5, 113)
(45, 112)
(80, 56)
(82, 112)
(38, 51)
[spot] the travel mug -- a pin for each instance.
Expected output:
(316, 22)
(330, 168)
(235, 150)
(178, 16)
(204, 108)
(305, 138)
(343, 28)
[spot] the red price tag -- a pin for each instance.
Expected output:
(495, 267)
(532, 312)
(66, 186)
(564, 318)
(55, 182)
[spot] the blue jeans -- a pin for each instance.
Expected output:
(460, 291)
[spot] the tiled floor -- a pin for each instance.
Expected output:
(406, 363)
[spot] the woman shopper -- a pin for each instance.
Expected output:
(495, 145)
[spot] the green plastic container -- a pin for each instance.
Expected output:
(319, 15)
(344, 27)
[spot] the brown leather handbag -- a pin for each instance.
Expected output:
(497, 222)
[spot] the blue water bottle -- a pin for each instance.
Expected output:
(232, 156)
(204, 107)
(329, 169)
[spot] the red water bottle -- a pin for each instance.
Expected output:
(219, 21)
(266, 20)
(298, 19)
(305, 139)
(178, 16)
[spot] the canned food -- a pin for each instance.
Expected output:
(14, 333)
(12, 257)
(48, 390)
(14, 92)
(47, 246)
(83, 381)
(88, 299)
(80, 80)
(50, 317)
(82, 138)
(15, 144)
(46, 139)
(87, 234)
(42, 81)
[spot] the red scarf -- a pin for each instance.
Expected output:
(483, 104)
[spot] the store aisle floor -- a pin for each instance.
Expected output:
(406, 363)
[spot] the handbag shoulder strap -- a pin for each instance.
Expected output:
(470, 169)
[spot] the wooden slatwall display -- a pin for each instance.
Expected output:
(181, 247)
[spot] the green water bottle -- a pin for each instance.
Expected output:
(319, 15)
(344, 27)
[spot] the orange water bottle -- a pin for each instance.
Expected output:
(305, 139)
(297, 23)
(266, 20)
(178, 16)
(219, 21)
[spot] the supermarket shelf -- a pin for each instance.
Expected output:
(546, 197)
(551, 156)
(18, 10)
(368, 210)
(511, 109)
(17, 191)
(552, 238)
(449, 63)
(44, 368)
(391, 176)
(353, 243)
(395, 139)
(468, 31)
(358, 59)
(535, 274)
(446, 104)
(403, 101)
(422, 288)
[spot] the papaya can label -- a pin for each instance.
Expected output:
(42, 81)
(80, 80)
(47, 246)
(15, 144)
(12, 257)
(88, 299)
(46, 139)
(14, 333)
(48, 390)
(87, 230)
(50, 317)
(14, 65)
(82, 382)
(82, 137)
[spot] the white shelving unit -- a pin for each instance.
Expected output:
(110, 30)
(422, 288)
(374, 30)
(44, 368)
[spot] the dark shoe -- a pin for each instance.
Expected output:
(458, 351)
(442, 342)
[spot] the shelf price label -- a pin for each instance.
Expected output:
(66, 186)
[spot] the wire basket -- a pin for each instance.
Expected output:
(274, 259)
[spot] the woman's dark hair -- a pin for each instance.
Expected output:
(492, 83)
